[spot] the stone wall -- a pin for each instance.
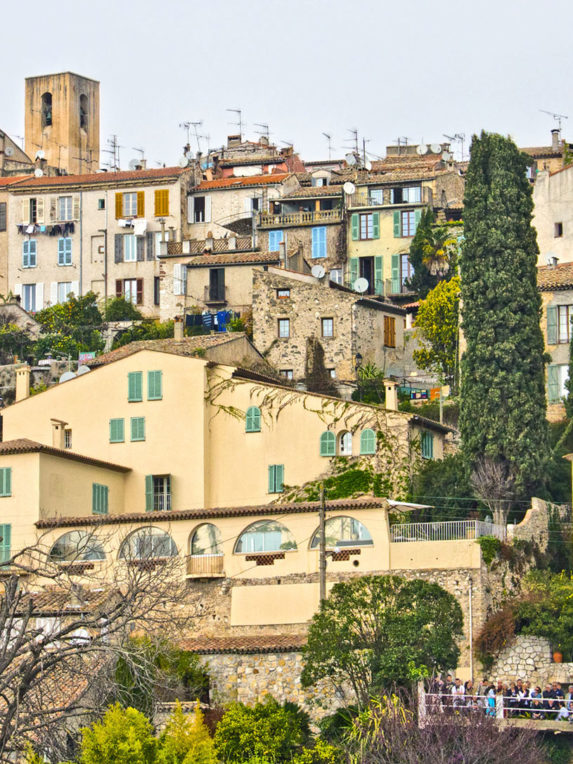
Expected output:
(530, 658)
(47, 375)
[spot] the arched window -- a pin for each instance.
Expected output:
(84, 112)
(253, 419)
(265, 536)
(345, 444)
(147, 543)
(76, 546)
(327, 444)
(341, 532)
(367, 442)
(205, 540)
(46, 110)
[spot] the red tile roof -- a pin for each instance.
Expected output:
(555, 277)
(254, 180)
(26, 446)
(263, 643)
(186, 347)
(234, 258)
(8, 181)
(542, 151)
(111, 178)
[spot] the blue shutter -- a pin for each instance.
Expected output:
(149, 493)
(368, 442)
(5, 542)
(553, 383)
(100, 495)
(397, 225)
(396, 274)
(116, 431)
(154, 385)
(551, 326)
(319, 242)
(134, 386)
(375, 225)
(279, 474)
(427, 442)
(275, 238)
(378, 275)
(355, 226)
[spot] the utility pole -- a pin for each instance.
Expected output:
(322, 547)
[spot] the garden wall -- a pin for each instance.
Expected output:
(529, 658)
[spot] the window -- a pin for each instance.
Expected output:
(65, 251)
(101, 204)
(331, 373)
(265, 536)
(130, 289)
(116, 431)
(427, 444)
(65, 208)
(319, 242)
(365, 226)
(99, 499)
(29, 297)
(83, 112)
(345, 444)
(389, 332)
(276, 476)
(557, 376)
(564, 322)
(6, 481)
(130, 205)
(64, 289)
(216, 284)
(199, 209)
(253, 420)
(283, 294)
(77, 546)
(129, 248)
(412, 195)
(336, 275)
(206, 540)
(161, 202)
(156, 290)
(284, 327)
(328, 444)
(558, 230)
(318, 182)
(408, 220)
(135, 386)
(368, 442)
(327, 327)
(2, 216)
(343, 531)
(137, 428)
(286, 373)
(33, 211)
(275, 238)
(406, 270)
(157, 493)
(5, 542)
(376, 196)
(147, 543)
(67, 438)
(46, 110)
(29, 252)
(154, 385)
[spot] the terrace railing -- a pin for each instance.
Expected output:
(456, 530)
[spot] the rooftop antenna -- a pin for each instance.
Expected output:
(195, 125)
(140, 151)
(364, 142)
(401, 140)
(187, 127)
(329, 140)
(457, 138)
(354, 132)
(239, 123)
(114, 148)
(557, 117)
(265, 130)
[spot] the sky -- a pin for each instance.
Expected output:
(415, 70)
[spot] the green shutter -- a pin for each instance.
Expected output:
(116, 431)
(553, 383)
(138, 428)
(375, 225)
(5, 542)
(355, 226)
(354, 269)
(417, 218)
(327, 444)
(427, 445)
(99, 499)
(378, 275)
(6, 481)
(279, 474)
(154, 386)
(368, 442)
(397, 225)
(396, 274)
(253, 423)
(134, 386)
(149, 493)
(271, 478)
(552, 326)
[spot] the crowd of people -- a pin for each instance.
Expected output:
(520, 698)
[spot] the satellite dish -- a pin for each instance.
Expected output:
(368, 164)
(9, 151)
(350, 159)
(422, 149)
(436, 148)
(360, 285)
(134, 164)
(66, 376)
(183, 161)
(446, 156)
(83, 370)
(318, 271)
(38, 173)
(40, 154)
(349, 188)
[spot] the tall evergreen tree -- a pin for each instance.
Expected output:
(502, 407)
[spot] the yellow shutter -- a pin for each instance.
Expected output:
(140, 204)
(118, 205)
(161, 202)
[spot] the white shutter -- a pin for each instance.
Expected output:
(76, 207)
(40, 296)
(40, 209)
(177, 279)
(53, 210)
(25, 211)
(17, 290)
(190, 209)
(53, 292)
(248, 205)
(207, 209)
(75, 288)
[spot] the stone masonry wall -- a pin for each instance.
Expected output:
(529, 658)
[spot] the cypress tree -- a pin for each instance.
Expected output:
(502, 406)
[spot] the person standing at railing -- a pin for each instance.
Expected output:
(458, 693)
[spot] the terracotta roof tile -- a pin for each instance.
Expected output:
(13, 179)
(184, 347)
(254, 159)
(556, 277)
(26, 446)
(311, 191)
(254, 180)
(263, 643)
(542, 151)
(234, 258)
(59, 601)
(110, 178)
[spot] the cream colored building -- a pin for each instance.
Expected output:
(553, 215)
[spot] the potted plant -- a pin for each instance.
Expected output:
(557, 654)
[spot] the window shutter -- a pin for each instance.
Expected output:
(134, 386)
(6, 481)
(207, 209)
(118, 206)
(53, 292)
(140, 291)
(150, 242)
(327, 444)
(118, 287)
(75, 288)
(158, 203)
(315, 243)
(378, 274)
(140, 204)
(154, 385)
(271, 478)
(39, 297)
(52, 209)
(138, 428)
(552, 326)
(61, 252)
(397, 225)
(368, 442)
(253, 421)
(95, 499)
(76, 207)
(553, 383)
(355, 224)
(279, 474)
(25, 211)
(118, 248)
(354, 269)
(178, 279)
(375, 225)
(40, 209)
(417, 218)
(396, 274)
(5, 542)
(392, 332)
(149, 493)
(190, 209)
(140, 248)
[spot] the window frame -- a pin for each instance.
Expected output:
(367, 442)
(127, 204)
(274, 246)
(283, 322)
(158, 492)
(319, 242)
(262, 529)
(407, 224)
(155, 385)
(328, 444)
(324, 322)
(100, 499)
(134, 386)
(253, 419)
(427, 444)
(276, 478)
(65, 208)
(283, 296)
(366, 226)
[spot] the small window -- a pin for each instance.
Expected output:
(427, 443)
(275, 239)
(283, 294)
(336, 275)
(284, 327)
(319, 242)
(199, 209)
(331, 373)
(67, 438)
(408, 221)
(328, 444)
(265, 536)
(137, 428)
(276, 477)
(135, 386)
(154, 385)
(206, 540)
(116, 431)
(253, 420)
(286, 373)
(6, 481)
(77, 546)
(46, 110)
(130, 205)
(99, 499)
(327, 325)
(33, 210)
(101, 204)
(29, 253)
(389, 331)
(558, 230)
(65, 251)
(157, 493)
(368, 442)
(345, 444)
(156, 290)
(129, 248)
(65, 208)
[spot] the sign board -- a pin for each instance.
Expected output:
(84, 357)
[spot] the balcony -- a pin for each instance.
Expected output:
(395, 287)
(457, 530)
(214, 246)
(288, 219)
(205, 566)
(215, 295)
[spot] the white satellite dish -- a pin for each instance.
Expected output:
(318, 271)
(38, 173)
(9, 151)
(350, 159)
(66, 376)
(349, 188)
(183, 161)
(368, 164)
(422, 149)
(83, 370)
(360, 285)
(436, 148)
(40, 154)
(134, 164)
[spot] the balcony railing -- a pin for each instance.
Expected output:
(216, 246)
(457, 530)
(205, 565)
(396, 286)
(270, 220)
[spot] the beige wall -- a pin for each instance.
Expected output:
(553, 200)
(21, 509)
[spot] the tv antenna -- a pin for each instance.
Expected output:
(557, 117)
(457, 138)
(113, 149)
(401, 140)
(354, 132)
(329, 141)
(239, 123)
(140, 151)
(264, 131)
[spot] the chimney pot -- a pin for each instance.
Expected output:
(391, 389)
(22, 383)
(178, 328)
(555, 139)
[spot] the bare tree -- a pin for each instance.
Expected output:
(493, 483)
(65, 619)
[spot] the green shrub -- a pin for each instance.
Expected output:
(186, 739)
(123, 736)
(490, 548)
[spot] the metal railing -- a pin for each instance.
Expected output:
(455, 530)
(205, 565)
(217, 246)
(269, 220)
(497, 706)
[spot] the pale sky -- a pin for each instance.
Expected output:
(417, 69)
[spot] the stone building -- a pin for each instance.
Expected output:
(290, 307)
(5, 223)
(553, 215)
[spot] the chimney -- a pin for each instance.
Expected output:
(178, 328)
(391, 389)
(555, 139)
(58, 433)
(22, 383)
(143, 164)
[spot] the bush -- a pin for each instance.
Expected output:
(490, 548)
(120, 309)
(149, 330)
(496, 633)
(186, 739)
(123, 736)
